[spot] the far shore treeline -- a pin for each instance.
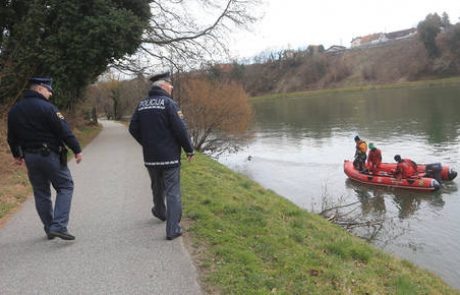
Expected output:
(433, 52)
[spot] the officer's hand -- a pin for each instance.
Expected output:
(190, 156)
(78, 157)
(19, 161)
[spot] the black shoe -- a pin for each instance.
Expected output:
(170, 238)
(50, 237)
(161, 217)
(63, 235)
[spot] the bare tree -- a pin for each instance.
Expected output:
(217, 112)
(116, 98)
(178, 37)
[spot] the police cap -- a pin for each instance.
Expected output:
(43, 81)
(166, 76)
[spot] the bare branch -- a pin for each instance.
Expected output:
(180, 35)
(197, 34)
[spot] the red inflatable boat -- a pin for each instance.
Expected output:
(384, 178)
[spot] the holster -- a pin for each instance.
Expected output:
(45, 150)
(63, 155)
(20, 152)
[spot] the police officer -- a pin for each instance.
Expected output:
(37, 133)
(158, 125)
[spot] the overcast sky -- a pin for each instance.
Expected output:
(299, 23)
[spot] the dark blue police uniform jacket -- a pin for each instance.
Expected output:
(34, 121)
(158, 126)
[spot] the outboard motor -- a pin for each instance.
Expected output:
(434, 171)
(452, 174)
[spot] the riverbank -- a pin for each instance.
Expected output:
(412, 84)
(246, 239)
(14, 183)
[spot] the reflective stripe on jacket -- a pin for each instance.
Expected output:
(157, 124)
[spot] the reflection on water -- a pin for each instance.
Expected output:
(297, 147)
(405, 201)
(431, 113)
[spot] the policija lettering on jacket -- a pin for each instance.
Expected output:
(161, 148)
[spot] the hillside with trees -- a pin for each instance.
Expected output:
(433, 52)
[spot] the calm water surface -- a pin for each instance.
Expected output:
(297, 147)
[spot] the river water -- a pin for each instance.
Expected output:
(297, 146)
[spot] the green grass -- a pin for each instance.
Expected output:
(407, 84)
(248, 240)
(5, 208)
(86, 134)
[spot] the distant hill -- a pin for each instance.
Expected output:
(390, 62)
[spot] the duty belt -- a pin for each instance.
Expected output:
(44, 150)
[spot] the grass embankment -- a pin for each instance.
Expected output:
(14, 183)
(247, 240)
(412, 84)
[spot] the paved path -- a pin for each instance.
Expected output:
(120, 248)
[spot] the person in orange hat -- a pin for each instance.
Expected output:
(360, 154)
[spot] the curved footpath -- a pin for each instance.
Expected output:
(120, 248)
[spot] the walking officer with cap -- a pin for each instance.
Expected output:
(158, 125)
(37, 135)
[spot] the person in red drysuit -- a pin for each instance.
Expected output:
(374, 159)
(406, 168)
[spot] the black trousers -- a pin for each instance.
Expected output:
(165, 183)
